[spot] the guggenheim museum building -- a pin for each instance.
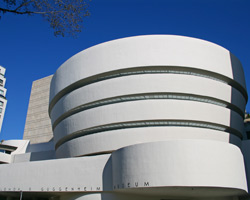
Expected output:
(155, 117)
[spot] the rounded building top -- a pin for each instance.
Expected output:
(148, 50)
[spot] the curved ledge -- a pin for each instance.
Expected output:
(147, 70)
(147, 50)
(147, 96)
(111, 116)
(110, 141)
(148, 123)
(179, 163)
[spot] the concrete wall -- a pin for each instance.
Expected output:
(38, 126)
(176, 168)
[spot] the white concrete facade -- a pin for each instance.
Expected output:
(149, 117)
(3, 100)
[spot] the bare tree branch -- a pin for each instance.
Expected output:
(4, 10)
(64, 16)
(22, 5)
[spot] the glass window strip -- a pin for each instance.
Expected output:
(141, 124)
(148, 70)
(152, 96)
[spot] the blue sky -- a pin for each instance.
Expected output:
(30, 51)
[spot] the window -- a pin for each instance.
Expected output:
(1, 103)
(2, 92)
(1, 110)
(7, 152)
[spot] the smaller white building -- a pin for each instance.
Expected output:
(3, 100)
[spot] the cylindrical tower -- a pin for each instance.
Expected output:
(146, 89)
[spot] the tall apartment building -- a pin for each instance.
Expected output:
(142, 118)
(38, 126)
(3, 100)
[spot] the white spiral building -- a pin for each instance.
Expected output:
(149, 117)
(146, 89)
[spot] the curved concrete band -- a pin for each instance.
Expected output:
(179, 163)
(177, 168)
